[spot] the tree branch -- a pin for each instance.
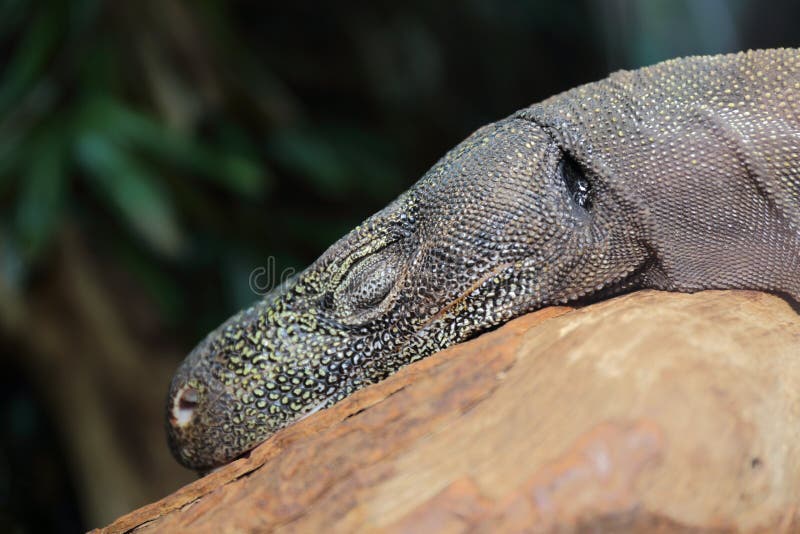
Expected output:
(649, 411)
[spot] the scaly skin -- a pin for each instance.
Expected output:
(682, 176)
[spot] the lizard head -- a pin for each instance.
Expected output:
(505, 223)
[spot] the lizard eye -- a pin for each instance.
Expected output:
(367, 284)
(574, 177)
(371, 285)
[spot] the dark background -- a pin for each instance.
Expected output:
(154, 153)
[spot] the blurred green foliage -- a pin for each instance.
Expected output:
(127, 120)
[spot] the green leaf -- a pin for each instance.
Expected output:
(30, 57)
(232, 171)
(132, 191)
(41, 201)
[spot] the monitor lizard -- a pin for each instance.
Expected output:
(680, 176)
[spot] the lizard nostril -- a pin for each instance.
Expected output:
(183, 406)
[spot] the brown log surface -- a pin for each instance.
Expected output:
(649, 412)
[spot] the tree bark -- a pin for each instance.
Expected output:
(649, 412)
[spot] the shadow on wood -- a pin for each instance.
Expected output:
(649, 411)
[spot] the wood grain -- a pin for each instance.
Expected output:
(650, 412)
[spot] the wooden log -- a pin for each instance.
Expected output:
(649, 412)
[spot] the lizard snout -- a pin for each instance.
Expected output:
(183, 406)
(198, 420)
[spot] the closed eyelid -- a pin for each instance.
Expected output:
(377, 272)
(369, 288)
(339, 271)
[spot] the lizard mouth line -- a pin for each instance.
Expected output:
(460, 298)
